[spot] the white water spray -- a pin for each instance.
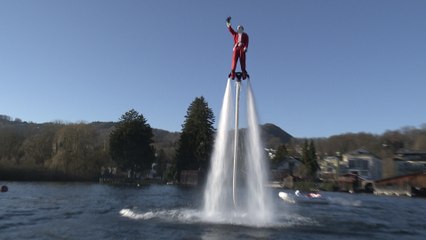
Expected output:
(236, 186)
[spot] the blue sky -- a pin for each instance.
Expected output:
(318, 68)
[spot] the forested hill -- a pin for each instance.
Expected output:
(17, 136)
(274, 136)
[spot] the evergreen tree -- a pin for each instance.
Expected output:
(305, 154)
(196, 140)
(310, 159)
(130, 142)
(314, 166)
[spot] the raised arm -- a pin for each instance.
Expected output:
(228, 24)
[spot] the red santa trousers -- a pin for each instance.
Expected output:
(238, 54)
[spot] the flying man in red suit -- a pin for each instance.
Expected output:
(241, 41)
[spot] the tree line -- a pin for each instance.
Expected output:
(51, 151)
(59, 151)
(77, 151)
(391, 141)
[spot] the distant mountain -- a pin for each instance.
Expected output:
(274, 135)
(271, 134)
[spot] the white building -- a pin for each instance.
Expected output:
(329, 165)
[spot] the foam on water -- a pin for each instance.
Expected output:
(192, 216)
(180, 215)
(345, 202)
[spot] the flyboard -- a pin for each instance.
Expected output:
(239, 76)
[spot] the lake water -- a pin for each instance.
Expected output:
(94, 211)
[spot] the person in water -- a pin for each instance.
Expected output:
(241, 42)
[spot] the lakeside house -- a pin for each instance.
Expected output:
(359, 162)
(352, 171)
(363, 163)
(410, 184)
(408, 162)
(408, 176)
(329, 166)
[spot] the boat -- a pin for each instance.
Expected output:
(309, 198)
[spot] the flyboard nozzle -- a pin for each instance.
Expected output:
(239, 76)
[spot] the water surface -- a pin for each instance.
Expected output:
(93, 211)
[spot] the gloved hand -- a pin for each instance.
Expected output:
(228, 19)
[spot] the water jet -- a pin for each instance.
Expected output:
(236, 184)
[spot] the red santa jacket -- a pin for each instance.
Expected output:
(244, 38)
